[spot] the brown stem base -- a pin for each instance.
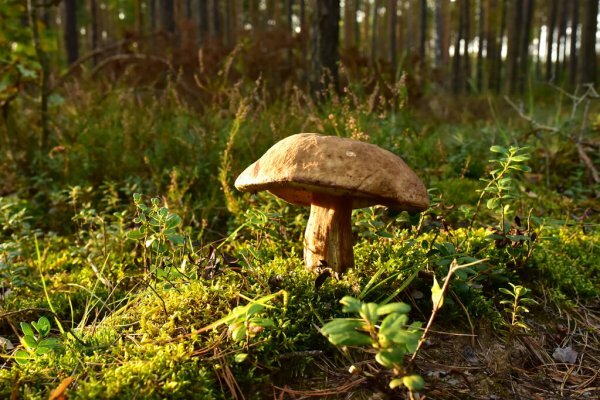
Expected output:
(328, 238)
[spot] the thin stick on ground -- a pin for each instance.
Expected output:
(453, 268)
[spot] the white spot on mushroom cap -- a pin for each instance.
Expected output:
(350, 153)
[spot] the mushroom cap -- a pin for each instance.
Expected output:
(306, 163)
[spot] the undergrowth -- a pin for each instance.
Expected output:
(129, 237)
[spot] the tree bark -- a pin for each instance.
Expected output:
(203, 20)
(374, 30)
(393, 18)
(349, 21)
(71, 31)
(573, 43)
(587, 67)
(525, 38)
(442, 23)
(423, 32)
(550, 38)
(168, 16)
(480, 45)
(325, 41)
(94, 29)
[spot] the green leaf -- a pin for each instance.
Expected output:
(350, 338)
(22, 357)
(399, 307)
(437, 297)
(414, 383)
(135, 234)
(177, 240)
(264, 322)
(254, 308)
(499, 149)
(394, 383)
(409, 338)
(340, 325)
(29, 342)
(42, 326)
(351, 305)
(173, 221)
(27, 329)
(493, 203)
(40, 351)
(51, 343)
(392, 324)
(239, 333)
(369, 312)
(240, 357)
(390, 357)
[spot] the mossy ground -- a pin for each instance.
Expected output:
(133, 328)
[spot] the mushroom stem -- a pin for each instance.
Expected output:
(328, 237)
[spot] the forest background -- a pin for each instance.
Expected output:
(130, 266)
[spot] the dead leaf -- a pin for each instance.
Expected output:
(60, 392)
(566, 355)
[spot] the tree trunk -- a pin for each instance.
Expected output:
(561, 41)
(480, 44)
(456, 67)
(498, 55)
(325, 41)
(349, 22)
(573, 47)
(139, 17)
(525, 38)
(356, 24)
(94, 29)
(214, 20)
(254, 15)
(303, 27)
(587, 66)
(152, 7)
(423, 32)
(203, 20)
(550, 38)
(367, 27)
(374, 30)
(71, 31)
(442, 23)
(467, 71)
(168, 16)
(393, 16)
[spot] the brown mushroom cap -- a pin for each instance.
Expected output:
(306, 163)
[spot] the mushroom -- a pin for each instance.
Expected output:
(333, 175)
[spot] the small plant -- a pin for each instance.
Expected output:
(392, 337)
(500, 186)
(516, 305)
(158, 231)
(246, 322)
(36, 345)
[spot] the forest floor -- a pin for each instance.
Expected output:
(130, 266)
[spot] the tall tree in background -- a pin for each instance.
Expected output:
(168, 16)
(374, 30)
(422, 31)
(71, 31)
(588, 64)
(524, 40)
(94, 29)
(325, 42)
(574, 37)
(203, 20)
(481, 17)
(550, 37)
(393, 17)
